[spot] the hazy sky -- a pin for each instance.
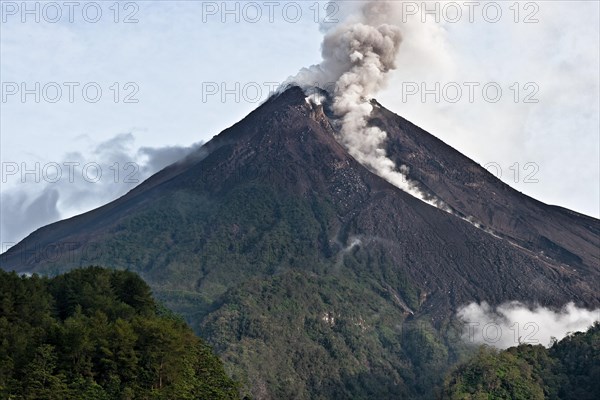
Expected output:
(162, 67)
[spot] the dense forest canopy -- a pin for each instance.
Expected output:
(569, 370)
(98, 334)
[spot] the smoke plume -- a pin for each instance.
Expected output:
(357, 56)
(512, 323)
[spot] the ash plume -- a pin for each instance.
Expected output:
(357, 56)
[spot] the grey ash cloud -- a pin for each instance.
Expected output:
(114, 167)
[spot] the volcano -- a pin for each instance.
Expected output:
(312, 276)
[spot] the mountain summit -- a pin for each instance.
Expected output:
(308, 272)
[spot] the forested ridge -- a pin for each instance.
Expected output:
(98, 334)
(568, 370)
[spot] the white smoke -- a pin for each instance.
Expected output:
(315, 99)
(354, 242)
(513, 323)
(357, 56)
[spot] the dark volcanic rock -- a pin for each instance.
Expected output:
(544, 254)
(272, 233)
(566, 236)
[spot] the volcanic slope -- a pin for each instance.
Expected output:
(314, 277)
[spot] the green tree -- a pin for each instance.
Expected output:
(568, 370)
(99, 334)
(42, 380)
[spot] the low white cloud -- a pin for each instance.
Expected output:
(512, 323)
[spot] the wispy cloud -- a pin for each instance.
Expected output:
(41, 192)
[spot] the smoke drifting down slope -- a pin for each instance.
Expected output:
(357, 56)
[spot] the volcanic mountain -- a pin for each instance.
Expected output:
(312, 276)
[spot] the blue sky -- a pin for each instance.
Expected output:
(176, 50)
